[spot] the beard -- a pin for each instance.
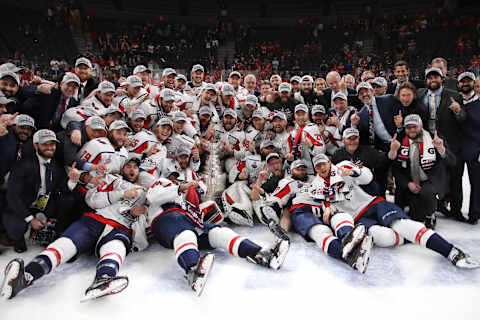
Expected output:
(302, 177)
(466, 88)
(307, 92)
(434, 86)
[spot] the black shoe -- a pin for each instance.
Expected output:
(460, 217)
(20, 246)
(472, 220)
(431, 221)
(5, 241)
(442, 208)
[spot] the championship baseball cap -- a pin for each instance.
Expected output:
(141, 68)
(464, 75)
(179, 116)
(113, 109)
(295, 78)
(230, 112)
(284, 87)
(258, 114)
(182, 151)
(251, 100)
(164, 122)
(301, 107)
(350, 132)
(96, 123)
(106, 86)
(71, 77)
(138, 114)
(320, 158)
(234, 73)
(24, 120)
(298, 163)
(318, 108)
(205, 110)
(412, 119)
(228, 90)
(9, 67)
(134, 81)
(307, 78)
(275, 76)
(210, 86)
(4, 99)
(119, 124)
(12, 75)
(340, 95)
(280, 115)
(181, 77)
(197, 67)
(364, 85)
(380, 81)
(83, 60)
(44, 135)
(273, 155)
(433, 70)
(167, 94)
(267, 143)
(168, 71)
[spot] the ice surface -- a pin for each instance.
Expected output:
(409, 282)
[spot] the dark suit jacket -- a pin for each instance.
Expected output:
(23, 185)
(393, 86)
(448, 125)
(42, 108)
(386, 108)
(9, 146)
(91, 85)
(352, 98)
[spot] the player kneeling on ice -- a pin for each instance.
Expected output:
(108, 230)
(349, 244)
(338, 187)
(177, 225)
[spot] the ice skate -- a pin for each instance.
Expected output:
(105, 286)
(351, 240)
(272, 258)
(14, 280)
(360, 256)
(462, 260)
(197, 276)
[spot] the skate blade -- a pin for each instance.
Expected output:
(468, 264)
(114, 287)
(204, 269)
(11, 274)
(282, 254)
(358, 235)
(362, 262)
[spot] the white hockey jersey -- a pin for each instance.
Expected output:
(79, 113)
(141, 143)
(235, 139)
(100, 149)
(253, 164)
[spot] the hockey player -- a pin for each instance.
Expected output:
(134, 95)
(232, 139)
(207, 98)
(341, 114)
(162, 131)
(197, 82)
(179, 226)
(136, 120)
(145, 75)
(168, 78)
(159, 107)
(281, 139)
(256, 132)
(226, 99)
(117, 205)
(338, 187)
(234, 78)
(306, 95)
(142, 141)
(245, 110)
(350, 244)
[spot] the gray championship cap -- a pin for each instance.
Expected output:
(251, 100)
(298, 163)
(275, 76)
(267, 143)
(340, 95)
(83, 60)
(12, 75)
(210, 86)
(113, 109)
(301, 107)
(469, 75)
(364, 85)
(205, 110)
(280, 115)
(380, 81)
(141, 68)
(96, 123)
(4, 99)
(10, 67)
(295, 78)
(436, 71)
(350, 132)
(134, 81)
(44, 135)
(167, 94)
(273, 155)
(197, 67)
(182, 151)
(284, 87)
(318, 108)
(307, 78)
(320, 158)
(235, 73)
(138, 114)
(412, 119)
(181, 77)
(106, 86)
(119, 124)
(228, 90)
(168, 71)
(24, 120)
(258, 114)
(230, 112)
(164, 122)
(71, 77)
(179, 116)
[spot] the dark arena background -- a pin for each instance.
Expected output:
(278, 147)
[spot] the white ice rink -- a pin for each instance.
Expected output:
(402, 283)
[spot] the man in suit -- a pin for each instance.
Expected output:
(402, 73)
(83, 69)
(335, 85)
(47, 109)
(36, 185)
(446, 112)
(449, 83)
(421, 169)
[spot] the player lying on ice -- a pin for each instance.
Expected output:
(118, 203)
(179, 226)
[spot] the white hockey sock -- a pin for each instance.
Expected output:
(184, 241)
(60, 251)
(413, 231)
(322, 235)
(112, 255)
(341, 220)
(385, 237)
(226, 239)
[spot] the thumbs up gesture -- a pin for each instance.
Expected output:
(454, 106)
(355, 119)
(438, 143)
(73, 173)
(398, 120)
(395, 144)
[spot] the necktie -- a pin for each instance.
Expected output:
(48, 177)
(371, 126)
(415, 162)
(433, 112)
(81, 91)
